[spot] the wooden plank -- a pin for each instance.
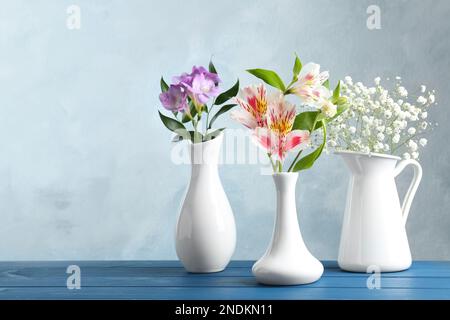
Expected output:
(29, 270)
(193, 281)
(222, 293)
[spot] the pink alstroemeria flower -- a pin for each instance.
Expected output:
(253, 102)
(309, 86)
(278, 137)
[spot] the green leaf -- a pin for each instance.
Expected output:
(193, 112)
(326, 84)
(339, 101)
(337, 91)
(308, 161)
(227, 95)
(213, 134)
(297, 66)
(189, 135)
(221, 111)
(172, 124)
(164, 85)
(212, 68)
(270, 77)
(305, 120)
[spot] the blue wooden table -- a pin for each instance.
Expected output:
(168, 280)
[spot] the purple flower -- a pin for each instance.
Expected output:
(175, 99)
(200, 85)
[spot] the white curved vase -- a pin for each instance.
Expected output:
(287, 261)
(373, 232)
(206, 231)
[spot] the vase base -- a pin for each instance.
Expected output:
(373, 267)
(281, 275)
(212, 270)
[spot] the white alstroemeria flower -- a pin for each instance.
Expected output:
(328, 108)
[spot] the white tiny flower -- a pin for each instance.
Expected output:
(377, 81)
(396, 138)
(423, 88)
(332, 143)
(386, 147)
(411, 130)
(348, 80)
(423, 142)
(380, 136)
(402, 91)
(352, 130)
(387, 114)
(424, 115)
(406, 156)
(398, 78)
(372, 90)
(421, 100)
(388, 130)
(424, 125)
(412, 145)
(431, 98)
(415, 155)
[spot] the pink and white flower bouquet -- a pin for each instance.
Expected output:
(277, 125)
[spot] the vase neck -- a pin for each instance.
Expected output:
(365, 164)
(206, 153)
(286, 208)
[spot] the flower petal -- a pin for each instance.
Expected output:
(265, 139)
(296, 138)
(244, 118)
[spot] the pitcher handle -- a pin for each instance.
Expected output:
(412, 187)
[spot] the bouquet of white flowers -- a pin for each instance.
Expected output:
(382, 121)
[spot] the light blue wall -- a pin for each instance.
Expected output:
(85, 169)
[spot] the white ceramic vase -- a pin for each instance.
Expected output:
(287, 261)
(206, 231)
(373, 232)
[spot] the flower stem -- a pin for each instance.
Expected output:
(271, 161)
(294, 161)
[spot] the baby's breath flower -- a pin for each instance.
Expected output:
(423, 142)
(382, 121)
(422, 100)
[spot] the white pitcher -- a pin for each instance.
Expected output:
(206, 231)
(373, 232)
(287, 261)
